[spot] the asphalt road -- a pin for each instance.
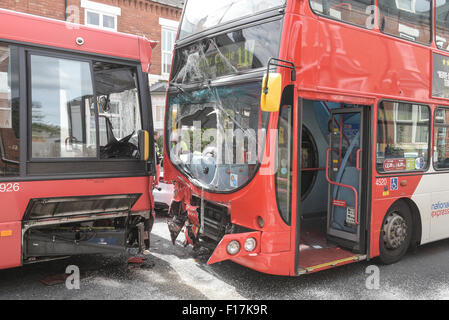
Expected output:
(172, 272)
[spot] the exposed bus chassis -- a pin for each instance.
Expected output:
(207, 224)
(57, 227)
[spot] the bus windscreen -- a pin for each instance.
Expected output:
(201, 15)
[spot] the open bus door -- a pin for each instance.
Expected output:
(344, 173)
(331, 219)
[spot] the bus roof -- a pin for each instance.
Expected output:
(35, 30)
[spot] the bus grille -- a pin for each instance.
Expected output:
(216, 219)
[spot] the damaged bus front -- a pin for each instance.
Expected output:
(77, 161)
(216, 132)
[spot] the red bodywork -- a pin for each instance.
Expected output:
(39, 31)
(36, 31)
(335, 62)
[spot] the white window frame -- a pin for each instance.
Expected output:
(169, 26)
(101, 10)
(414, 121)
(412, 6)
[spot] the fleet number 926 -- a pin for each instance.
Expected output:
(9, 187)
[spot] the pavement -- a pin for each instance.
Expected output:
(177, 273)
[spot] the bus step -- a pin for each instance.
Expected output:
(331, 264)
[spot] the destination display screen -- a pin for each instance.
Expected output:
(440, 79)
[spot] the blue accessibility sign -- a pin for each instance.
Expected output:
(393, 184)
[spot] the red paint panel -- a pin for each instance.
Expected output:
(10, 244)
(383, 198)
(15, 203)
(54, 33)
(275, 263)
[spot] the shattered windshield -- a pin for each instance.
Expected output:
(200, 15)
(229, 53)
(217, 134)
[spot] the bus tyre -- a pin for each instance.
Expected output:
(396, 233)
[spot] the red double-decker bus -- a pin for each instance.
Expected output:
(76, 156)
(304, 135)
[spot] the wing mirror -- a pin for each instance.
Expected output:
(271, 92)
(272, 85)
(144, 145)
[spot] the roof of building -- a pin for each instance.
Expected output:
(173, 3)
(160, 86)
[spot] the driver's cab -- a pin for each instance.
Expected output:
(119, 122)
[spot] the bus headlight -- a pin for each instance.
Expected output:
(233, 247)
(250, 244)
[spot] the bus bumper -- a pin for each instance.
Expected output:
(10, 241)
(243, 244)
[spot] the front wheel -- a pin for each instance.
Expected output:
(395, 233)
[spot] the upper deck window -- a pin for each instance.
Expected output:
(442, 24)
(229, 53)
(407, 19)
(353, 11)
(200, 15)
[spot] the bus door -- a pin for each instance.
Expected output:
(344, 173)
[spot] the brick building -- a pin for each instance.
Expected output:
(157, 20)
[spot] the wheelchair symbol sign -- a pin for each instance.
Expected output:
(393, 184)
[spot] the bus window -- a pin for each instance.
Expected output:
(229, 53)
(199, 15)
(9, 111)
(441, 138)
(352, 11)
(63, 123)
(442, 24)
(119, 110)
(403, 137)
(284, 165)
(407, 19)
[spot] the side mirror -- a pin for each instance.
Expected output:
(271, 92)
(144, 145)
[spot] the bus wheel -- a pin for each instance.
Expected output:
(396, 233)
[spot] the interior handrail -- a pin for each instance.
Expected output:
(356, 218)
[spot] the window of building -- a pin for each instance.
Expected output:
(403, 137)
(407, 19)
(9, 111)
(100, 15)
(352, 11)
(442, 24)
(168, 38)
(441, 138)
(63, 116)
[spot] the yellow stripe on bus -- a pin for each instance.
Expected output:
(336, 262)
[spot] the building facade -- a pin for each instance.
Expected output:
(157, 20)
